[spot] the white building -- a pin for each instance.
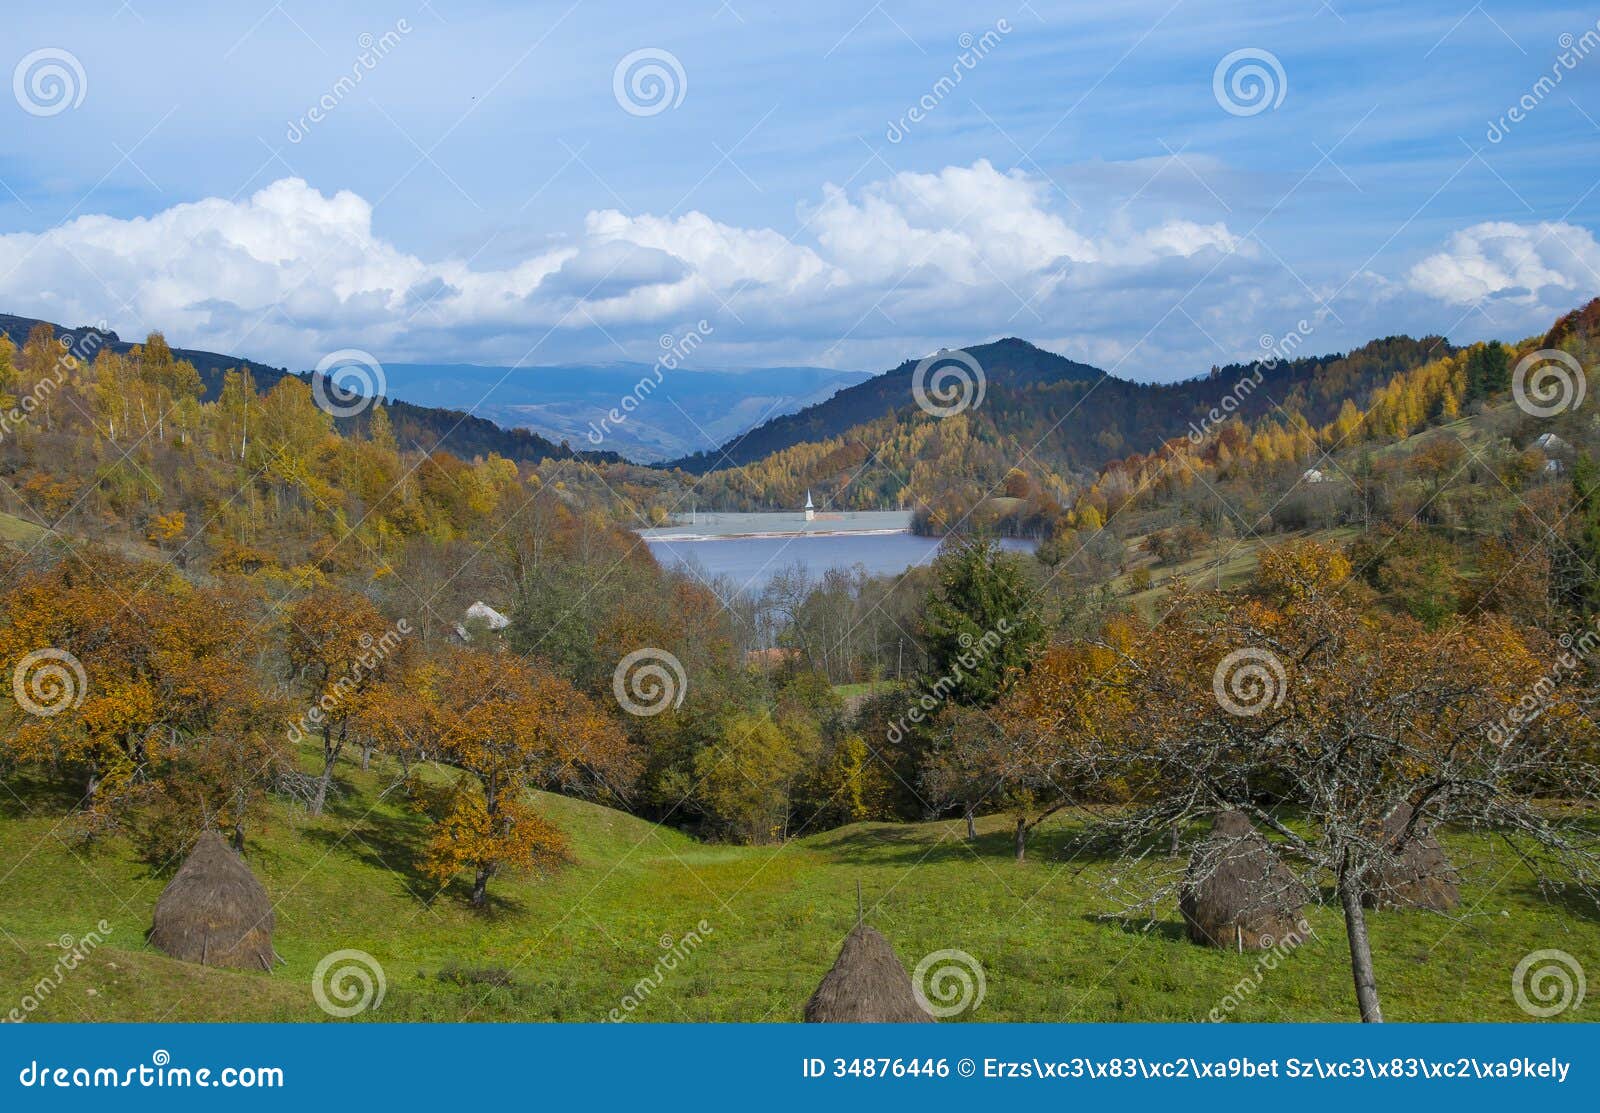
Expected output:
(811, 510)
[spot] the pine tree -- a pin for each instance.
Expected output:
(982, 628)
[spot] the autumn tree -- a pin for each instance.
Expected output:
(123, 672)
(339, 647)
(744, 781)
(1297, 697)
(505, 727)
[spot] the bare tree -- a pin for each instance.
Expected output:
(1318, 723)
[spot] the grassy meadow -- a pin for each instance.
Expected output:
(569, 947)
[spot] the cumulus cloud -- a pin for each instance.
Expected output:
(291, 272)
(873, 274)
(1544, 266)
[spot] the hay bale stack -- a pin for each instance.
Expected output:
(867, 985)
(1416, 873)
(1237, 894)
(214, 911)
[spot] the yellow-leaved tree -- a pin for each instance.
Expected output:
(505, 727)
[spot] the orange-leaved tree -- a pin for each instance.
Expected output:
(506, 727)
(121, 670)
(340, 647)
(1319, 721)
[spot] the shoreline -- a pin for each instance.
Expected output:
(773, 534)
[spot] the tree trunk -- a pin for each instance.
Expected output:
(1355, 929)
(330, 754)
(321, 796)
(1173, 851)
(330, 757)
(972, 827)
(366, 756)
(238, 838)
(1022, 838)
(480, 888)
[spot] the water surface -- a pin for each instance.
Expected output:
(752, 561)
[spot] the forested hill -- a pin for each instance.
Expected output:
(211, 365)
(1077, 417)
(1021, 363)
(1044, 428)
(421, 427)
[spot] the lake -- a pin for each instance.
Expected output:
(719, 546)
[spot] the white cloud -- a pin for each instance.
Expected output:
(1544, 267)
(869, 276)
(971, 225)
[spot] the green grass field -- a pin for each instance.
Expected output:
(19, 530)
(571, 946)
(1239, 560)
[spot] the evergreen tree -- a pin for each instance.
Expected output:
(982, 628)
(1488, 371)
(1577, 577)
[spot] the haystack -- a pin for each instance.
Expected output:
(1237, 894)
(867, 985)
(214, 911)
(1416, 873)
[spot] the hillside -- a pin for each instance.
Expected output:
(570, 946)
(1439, 494)
(1074, 416)
(1017, 361)
(426, 428)
(1044, 429)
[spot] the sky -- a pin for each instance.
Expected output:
(1152, 188)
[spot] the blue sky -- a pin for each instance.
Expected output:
(484, 195)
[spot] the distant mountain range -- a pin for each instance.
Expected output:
(549, 412)
(686, 411)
